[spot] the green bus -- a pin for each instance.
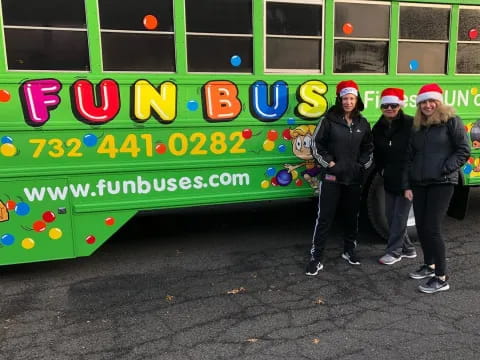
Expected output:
(109, 107)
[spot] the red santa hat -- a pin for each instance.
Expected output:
(430, 92)
(393, 96)
(347, 87)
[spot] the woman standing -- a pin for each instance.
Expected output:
(438, 148)
(391, 135)
(343, 147)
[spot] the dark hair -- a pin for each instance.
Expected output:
(337, 108)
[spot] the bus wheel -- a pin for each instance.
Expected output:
(376, 208)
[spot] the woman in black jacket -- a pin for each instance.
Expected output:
(343, 147)
(391, 135)
(438, 149)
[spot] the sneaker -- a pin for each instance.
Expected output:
(434, 285)
(313, 267)
(409, 254)
(388, 259)
(351, 258)
(423, 272)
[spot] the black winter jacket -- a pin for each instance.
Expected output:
(437, 152)
(350, 147)
(390, 139)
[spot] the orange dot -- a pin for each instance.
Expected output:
(347, 28)
(110, 221)
(39, 226)
(4, 96)
(150, 22)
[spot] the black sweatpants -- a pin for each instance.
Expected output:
(430, 205)
(347, 198)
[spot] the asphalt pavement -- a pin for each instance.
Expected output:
(228, 283)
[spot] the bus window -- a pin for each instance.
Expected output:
(219, 36)
(294, 35)
(468, 59)
(137, 35)
(362, 33)
(423, 38)
(45, 35)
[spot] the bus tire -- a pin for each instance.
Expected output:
(375, 203)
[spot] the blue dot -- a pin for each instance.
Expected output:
(7, 140)
(413, 65)
(271, 171)
(236, 60)
(291, 121)
(22, 209)
(282, 148)
(90, 140)
(7, 239)
(192, 105)
(467, 169)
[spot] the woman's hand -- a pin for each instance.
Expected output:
(408, 194)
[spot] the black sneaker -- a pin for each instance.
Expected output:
(351, 258)
(409, 254)
(423, 272)
(313, 267)
(434, 285)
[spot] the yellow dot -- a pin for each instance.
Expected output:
(55, 233)
(474, 91)
(8, 150)
(268, 145)
(294, 174)
(265, 184)
(28, 243)
(476, 161)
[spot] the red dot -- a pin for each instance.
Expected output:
(150, 22)
(298, 182)
(466, 128)
(471, 160)
(160, 148)
(247, 134)
(110, 221)
(347, 28)
(48, 216)
(274, 181)
(11, 205)
(272, 135)
(39, 226)
(4, 96)
(286, 134)
(90, 239)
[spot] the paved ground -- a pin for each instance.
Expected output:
(228, 283)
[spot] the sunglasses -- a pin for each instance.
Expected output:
(391, 106)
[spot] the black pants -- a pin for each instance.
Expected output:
(430, 205)
(347, 198)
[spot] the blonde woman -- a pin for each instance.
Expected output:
(438, 149)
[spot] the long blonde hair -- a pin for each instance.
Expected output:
(440, 116)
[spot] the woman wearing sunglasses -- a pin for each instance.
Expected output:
(438, 149)
(391, 135)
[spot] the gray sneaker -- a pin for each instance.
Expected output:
(423, 272)
(434, 285)
(389, 259)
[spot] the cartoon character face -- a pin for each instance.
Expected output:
(301, 147)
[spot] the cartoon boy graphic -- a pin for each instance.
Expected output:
(3, 212)
(475, 135)
(302, 138)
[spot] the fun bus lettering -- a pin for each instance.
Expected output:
(98, 104)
